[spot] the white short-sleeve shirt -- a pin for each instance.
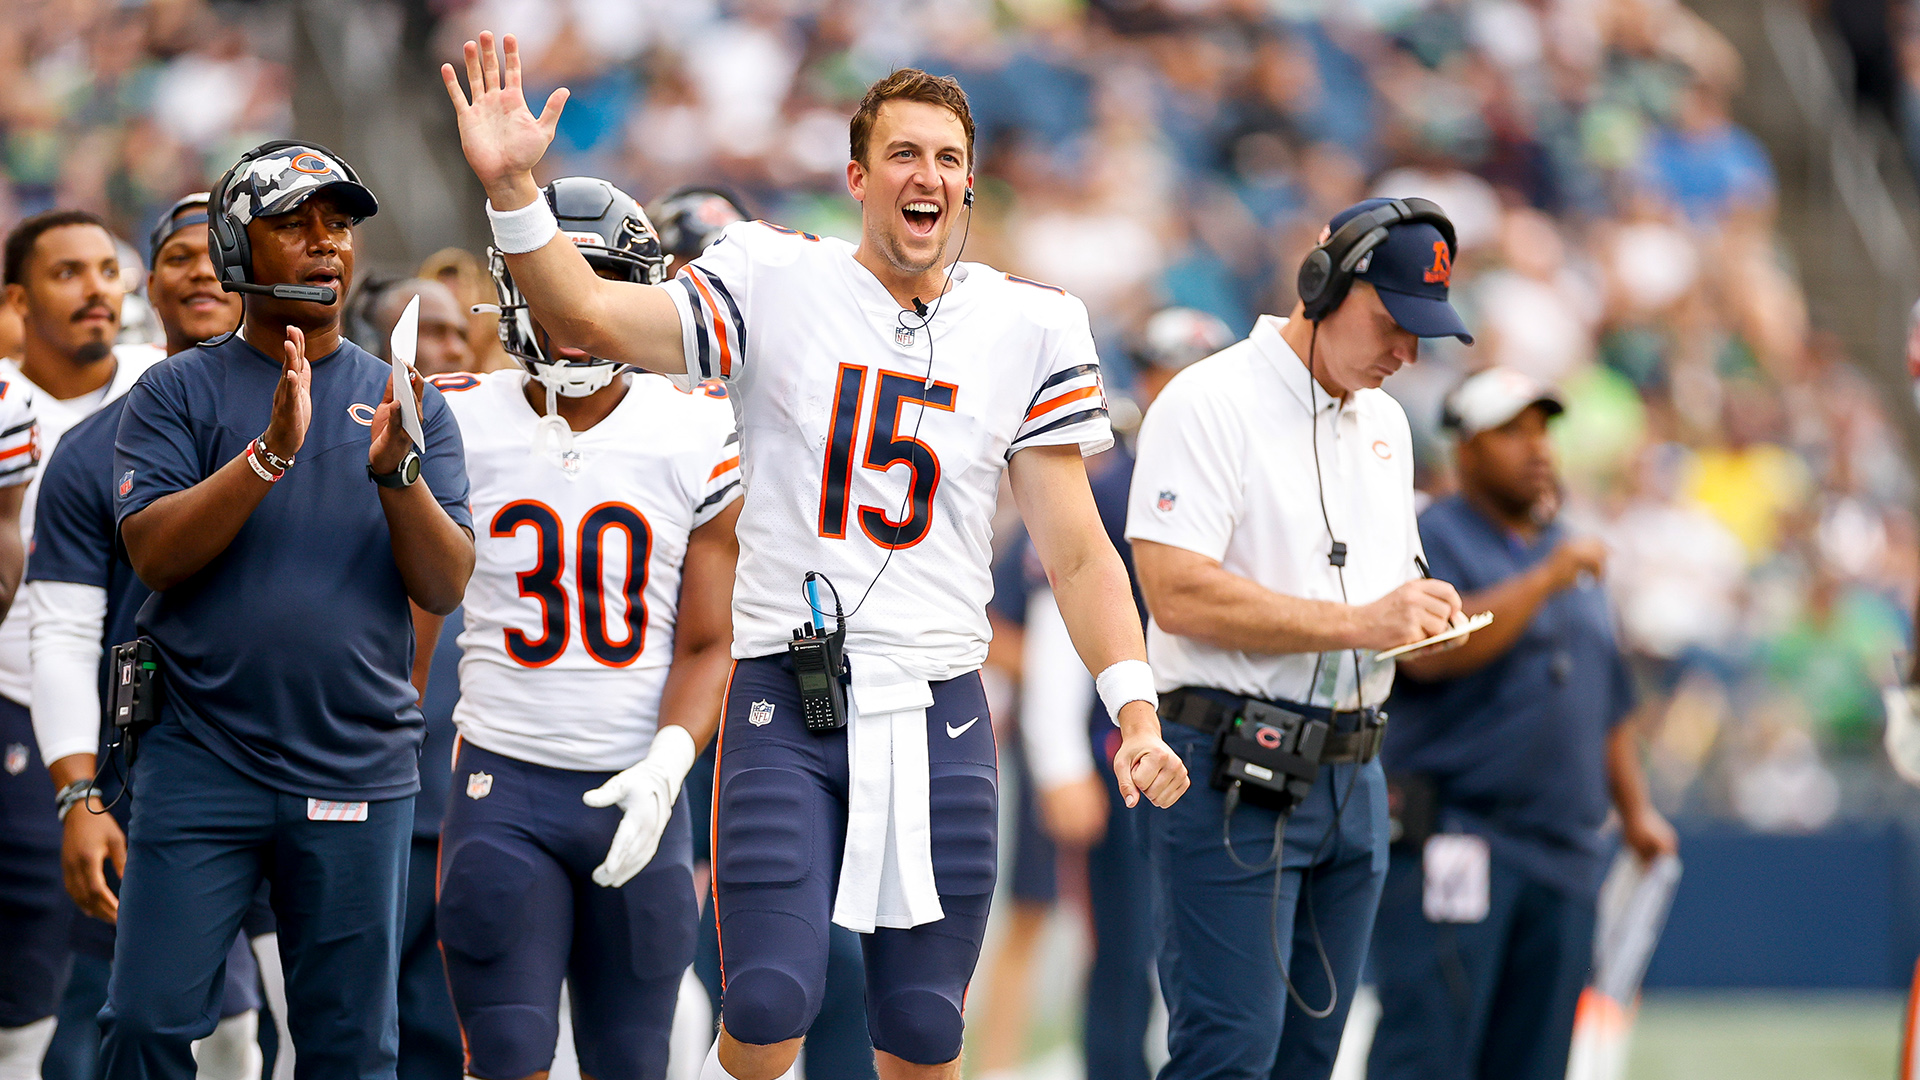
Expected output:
(1226, 469)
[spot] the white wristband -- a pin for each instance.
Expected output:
(1128, 680)
(516, 232)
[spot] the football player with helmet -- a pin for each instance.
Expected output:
(594, 662)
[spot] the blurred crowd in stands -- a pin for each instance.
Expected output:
(1616, 233)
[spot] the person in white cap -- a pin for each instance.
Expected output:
(1504, 755)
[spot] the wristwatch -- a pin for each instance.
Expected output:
(404, 476)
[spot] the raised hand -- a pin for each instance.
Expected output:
(390, 439)
(502, 138)
(292, 398)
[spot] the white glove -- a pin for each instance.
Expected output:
(646, 792)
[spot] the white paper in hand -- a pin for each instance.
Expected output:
(1460, 629)
(406, 335)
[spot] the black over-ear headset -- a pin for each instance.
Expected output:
(227, 242)
(1328, 270)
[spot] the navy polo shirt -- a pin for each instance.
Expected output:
(1518, 748)
(288, 655)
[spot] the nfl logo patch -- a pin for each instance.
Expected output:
(126, 483)
(761, 714)
(479, 785)
(16, 758)
(902, 336)
(1164, 503)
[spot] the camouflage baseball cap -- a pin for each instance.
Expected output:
(278, 181)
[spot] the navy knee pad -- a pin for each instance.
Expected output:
(763, 1005)
(918, 1026)
(504, 1041)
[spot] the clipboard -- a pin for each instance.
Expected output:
(1460, 629)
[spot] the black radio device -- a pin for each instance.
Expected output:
(136, 691)
(820, 663)
(1272, 756)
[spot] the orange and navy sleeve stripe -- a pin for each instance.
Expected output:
(719, 331)
(19, 447)
(723, 483)
(1069, 396)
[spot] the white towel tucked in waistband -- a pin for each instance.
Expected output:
(886, 875)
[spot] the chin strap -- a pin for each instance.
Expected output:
(552, 433)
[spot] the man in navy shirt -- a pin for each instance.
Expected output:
(1485, 932)
(283, 519)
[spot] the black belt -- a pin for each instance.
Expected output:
(1207, 710)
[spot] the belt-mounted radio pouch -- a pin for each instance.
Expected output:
(1271, 755)
(136, 691)
(820, 667)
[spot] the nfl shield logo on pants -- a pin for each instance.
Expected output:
(16, 758)
(479, 785)
(761, 714)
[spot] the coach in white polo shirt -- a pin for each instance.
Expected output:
(1273, 532)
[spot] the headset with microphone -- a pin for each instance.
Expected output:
(227, 242)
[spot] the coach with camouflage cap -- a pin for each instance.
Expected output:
(1271, 516)
(266, 492)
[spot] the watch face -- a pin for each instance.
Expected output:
(410, 467)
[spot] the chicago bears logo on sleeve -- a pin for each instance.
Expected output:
(448, 382)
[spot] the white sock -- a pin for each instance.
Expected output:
(232, 1052)
(273, 982)
(22, 1048)
(713, 1070)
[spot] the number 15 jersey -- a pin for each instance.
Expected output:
(575, 591)
(864, 433)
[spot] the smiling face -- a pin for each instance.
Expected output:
(69, 298)
(185, 293)
(312, 244)
(911, 184)
(1360, 344)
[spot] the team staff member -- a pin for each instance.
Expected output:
(281, 514)
(1262, 470)
(1480, 954)
(887, 825)
(81, 598)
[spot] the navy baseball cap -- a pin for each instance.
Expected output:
(1411, 270)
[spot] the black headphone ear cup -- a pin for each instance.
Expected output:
(1315, 272)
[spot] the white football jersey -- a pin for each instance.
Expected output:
(864, 435)
(54, 417)
(576, 582)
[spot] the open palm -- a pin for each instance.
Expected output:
(502, 138)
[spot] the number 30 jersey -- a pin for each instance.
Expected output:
(576, 583)
(865, 433)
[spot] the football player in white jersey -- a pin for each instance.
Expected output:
(880, 391)
(593, 667)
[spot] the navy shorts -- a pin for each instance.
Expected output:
(780, 822)
(518, 912)
(35, 914)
